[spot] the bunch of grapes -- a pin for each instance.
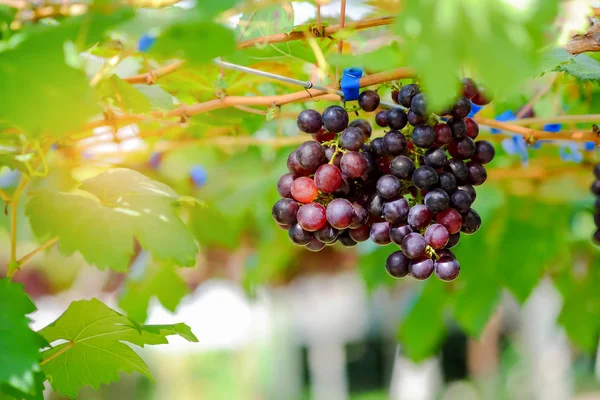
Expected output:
(596, 190)
(413, 187)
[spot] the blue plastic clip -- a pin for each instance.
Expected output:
(350, 83)
(589, 146)
(474, 110)
(552, 127)
(507, 115)
(146, 42)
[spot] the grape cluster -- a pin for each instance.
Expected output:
(596, 191)
(413, 187)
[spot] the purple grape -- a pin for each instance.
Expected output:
(389, 187)
(462, 148)
(361, 216)
(423, 136)
(458, 127)
(462, 108)
(299, 236)
(437, 201)
(284, 185)
(310, 155)
(284, 211)
(418, 105)
(459, 169)
(471, 222)
(421, 268)
(447, 269)
(597, 171)
(294, 166)
(329, 153)
(327, 234)
(375, 206)
(435, 158)
(352, 138)
(425, 177)
(595, 188)
(596, 237)
(469, 89)
(360, 234)
(397, 265)
(381, 119)
(445, 252)
(311, 217)
(484, 152)
(414, 245)
(345, 239)
(397, 233)
(396, 118)
(396, 211)
(340, 213)
(414, 119)
(335, 119)
(368, 100)
(419, 216)
(451, 219)
(353, 164)
(461, 201)
(315, 245)
(477, 173)
(437, 236)
(394, 143)
(443, 134)
(309, 121)
(363, 125)
(328, 178)
(376, 147)
(380, 233)
(452, 241)
(447, 182)
(470, 191)
(402, 167)
(407, 93)
(472, 128)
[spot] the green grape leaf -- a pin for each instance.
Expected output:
(158, 97)
(93, 349)
(159, 280)
(20, 355)
(582, 67)
(107, 212)
(118, 93)
(444, 36)
(209, 9)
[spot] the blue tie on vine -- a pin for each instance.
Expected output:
(350, 83)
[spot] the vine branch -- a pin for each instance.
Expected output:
(41, 248)
(589, 41)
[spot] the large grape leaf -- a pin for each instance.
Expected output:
(443, 36)
(158, 280)
(118, 93)
(93, 351)
(582, 67)
(101, 218)
(19, 357)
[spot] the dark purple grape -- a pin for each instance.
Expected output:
(396, 118)
(363, 125)
(484, 152)
(437, 201)
(396, 211)
(402, 167)
(461, 201)
(421, 268)
(345, 187)
(376, 147)
(435, 158)
(446, 252)
(368, 100)
(335, 119)
(353, 164)
(437, 236)
(329, 153)
(315, 245)
(375, 206)
(323, 136)
(394, 143)
(328, 178)
(418, 105)
(597, 204)
(458, 127)
(388, 186)
(309, 121)
(414, 245)
(311, 155)
(299, 236)
(361, 216)
(597, 220)
(447, 182)
(595, 188)
(472, 128)
(483, 96)
(380, 233)
(414, 119)
(327, 234)
(311, 217)
(451, 219)
(397, 264)
(470, 191)
(395, 96)
(469, 88)
(477, 173)
(419, 216)
(284, 185)
(294, 166)
(447, 269)
(352, 139)
(423, 136)
(462, 148)
(471, 222)
(340, 213)
(452, 241)
(425, 177)
(360, 234)
(407, 93)
(459, 169)
(597, 171)
(397, 233)
(462, 108)
(596, 237)
(443, 134)
(284, 211)
(381, 119)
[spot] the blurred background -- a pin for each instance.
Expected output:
(275, 321)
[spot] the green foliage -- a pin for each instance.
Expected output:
(94, 352)
(116, 92)
(107, 212)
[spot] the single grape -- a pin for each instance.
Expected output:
(447, 182)
(375, 206)
(284, 185)
(402, 167)
(394, 143)
(458, 127)
(299, 236)
(294, 166)
(423, 136)
(462, 149)
(419, 216)
(447, 269)
(304, 189)
(380, 233)
(335, 119)
(309, 121)
(443, 134)
(483, 96)
(469, 88)
(471, 222)
(383, 163)
(435, 158)
(462, 108)
(407, 93)
(451, 219)
(484, 152)
(595, 188)
(459, 169)
(323, 136)
(285, 227)
(596, 237)
(425, 177)
(395, 96)
(437, 201)
(315, 245)
(470, 191)
(414, 119)
(368, 100)
(381, 119)
(396, 211)
(388, 186)
(345, 239)
(340, 213)
(398, 232)
(311, 217)
(421, 268)
(360, 234)
(414, 245)
(446, 252)
(353, 164)
(363, 125)
(472, 128)
(477, 173)
(327, 234)
(437, 236)
(418, 105)
(284, 211)
(328, 178)
(461, 201)
(361, 216)
(396, 118)
(376, 147)
(452, 241)
(397, 264)
(310, 155)
(352, 138)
